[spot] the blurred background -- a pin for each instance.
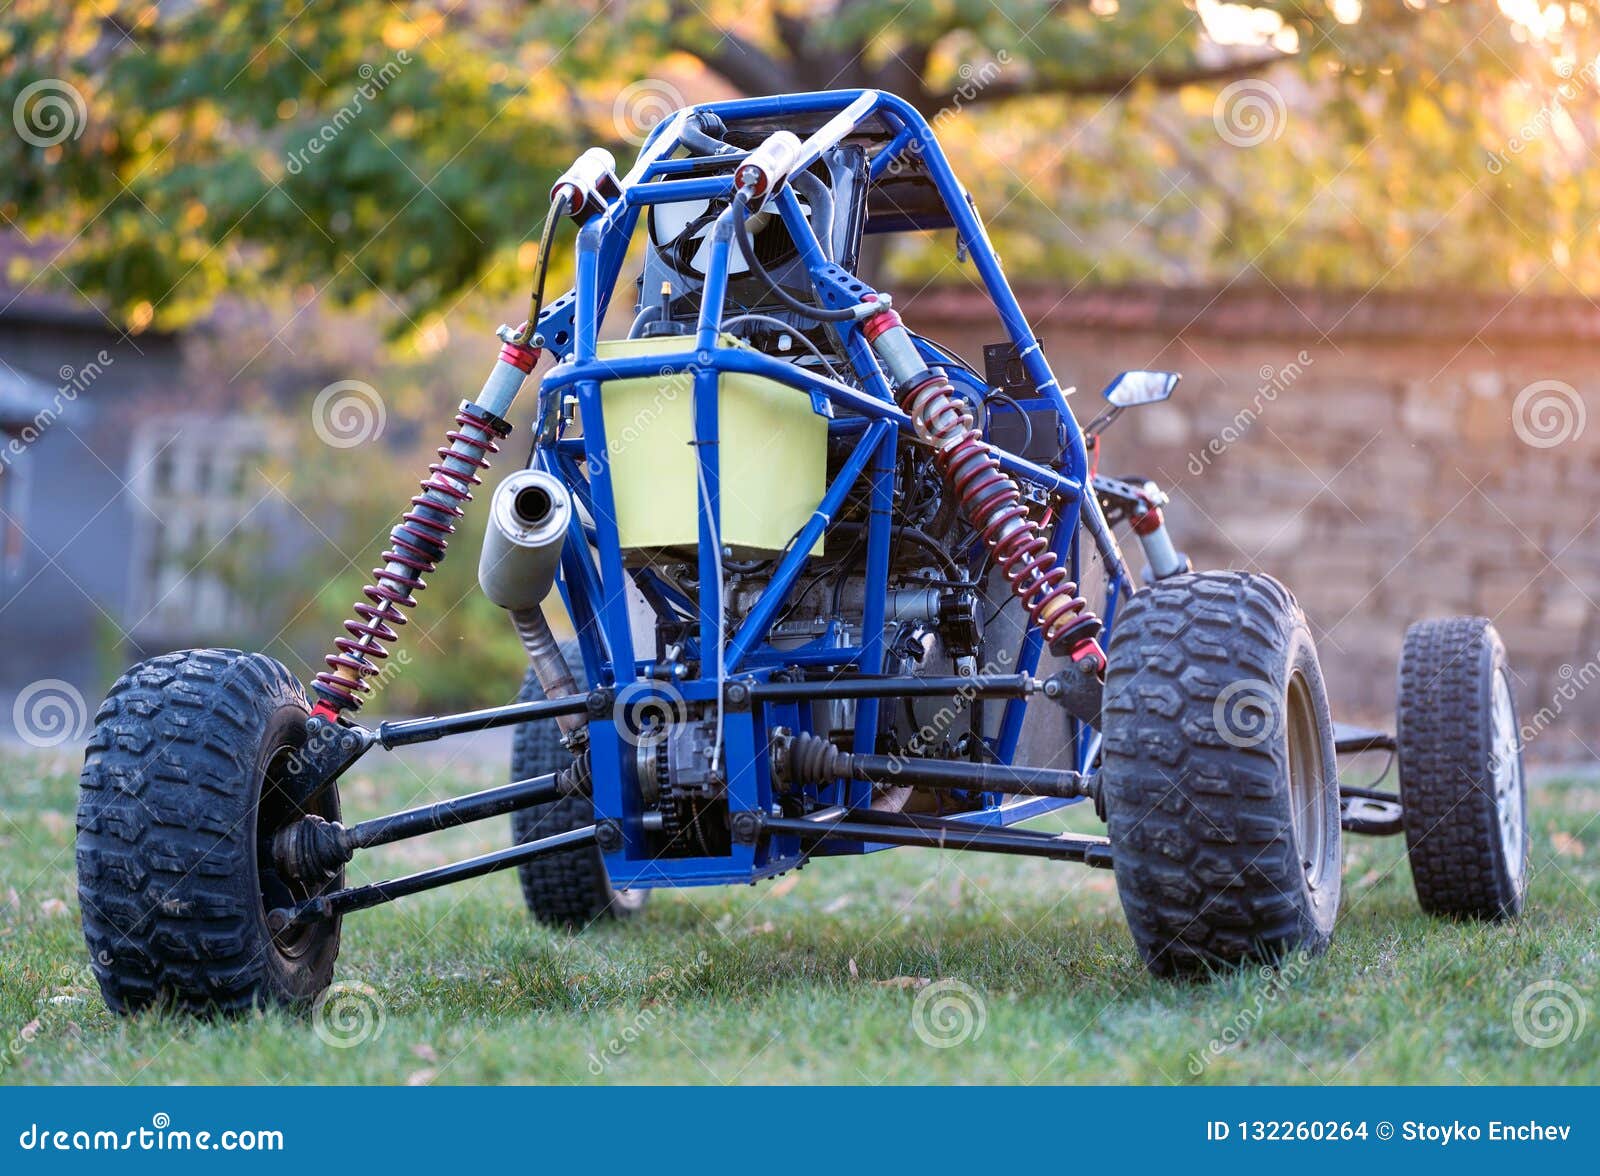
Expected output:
(251, 253)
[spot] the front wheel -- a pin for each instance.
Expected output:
(1219, 776)
(1462, 794)
(184, 783)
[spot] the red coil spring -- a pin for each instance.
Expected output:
(993, 504)
(418, 543)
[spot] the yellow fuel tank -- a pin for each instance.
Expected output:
(773, 454)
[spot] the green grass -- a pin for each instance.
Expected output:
(815, 981)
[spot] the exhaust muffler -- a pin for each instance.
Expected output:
(528, 519)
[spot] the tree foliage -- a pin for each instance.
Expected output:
(399, 153)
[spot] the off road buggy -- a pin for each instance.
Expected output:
(824, 579)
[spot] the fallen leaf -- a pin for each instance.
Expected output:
(837, 905)
(1369, 878)
(855, 973)
(783, 885)
(766, 928)
(1566, 845)
(52, 906)
(421, 1077)
(425, 1051)
(912, 982)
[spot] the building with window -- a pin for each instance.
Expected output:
(121, 492)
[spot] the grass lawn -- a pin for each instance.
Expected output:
(817, 978)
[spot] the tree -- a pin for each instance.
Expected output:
(399, 153)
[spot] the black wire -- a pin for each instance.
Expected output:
(558, 209)
(741, 234)
(1026, 421)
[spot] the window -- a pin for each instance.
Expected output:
(202, 525)
(13, 502)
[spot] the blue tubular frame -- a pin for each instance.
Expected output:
(594, 575)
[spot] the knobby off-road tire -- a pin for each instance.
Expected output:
(179, 797)
(569, 889)
(1219, 775)
(1462, 792)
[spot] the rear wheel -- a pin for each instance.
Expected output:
(184, 783)
(569, 889)
(1218, 774)
(1461, 786)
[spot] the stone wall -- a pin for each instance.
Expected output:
(1389, 457)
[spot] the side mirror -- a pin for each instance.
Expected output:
(1131, 389)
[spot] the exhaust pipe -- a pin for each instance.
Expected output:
(528, 520)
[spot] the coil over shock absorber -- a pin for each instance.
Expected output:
(989, 497)
(416, 545)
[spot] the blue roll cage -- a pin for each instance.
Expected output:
(593, 575)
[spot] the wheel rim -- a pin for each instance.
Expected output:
(276, 809)
(1505, 762)
(1307, 784)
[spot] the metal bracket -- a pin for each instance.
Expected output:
(329, 750)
